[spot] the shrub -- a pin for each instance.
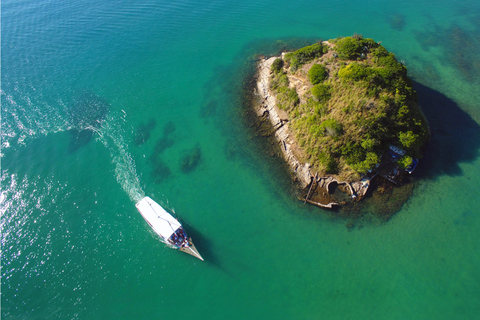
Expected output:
(328, 162)
(279, 80)
(331, 127)
(380, 51)
(391, 74)
(409, 139)
(304, 55)
(369, 43)
(315, 107)
(353, 153)
(321, 92)
(368, 144)
(402, 113)
(277, 65)
(357, 158)
(287, 98)
(191, 160)
(405, 161)
(348, 48)
(317, 74)
(354, 71)
(370, 161)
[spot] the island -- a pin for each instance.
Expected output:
(344, 113)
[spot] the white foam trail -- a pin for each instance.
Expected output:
(110, 134)
(25, 117)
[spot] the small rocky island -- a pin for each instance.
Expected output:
(344, 114)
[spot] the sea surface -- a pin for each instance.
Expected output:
(103, 102)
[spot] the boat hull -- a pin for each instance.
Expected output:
(166, 226)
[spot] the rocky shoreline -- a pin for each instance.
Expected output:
(320, 188)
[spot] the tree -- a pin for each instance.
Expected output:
(348, 48)
(277, 65)
(405, 161)
(408, 139)
(317, 74)
(321, 92)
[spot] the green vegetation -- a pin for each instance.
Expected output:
(317, 73)
(409, 140)
(287, 98)
(277, 65)
(331, 127)
(351, 48)
(354, 72)
(344, 124)
(298, 58)
(405, 161)
(348, 48)
(321, 92)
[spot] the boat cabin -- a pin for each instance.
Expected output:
(178, 238)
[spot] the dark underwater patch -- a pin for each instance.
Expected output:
(86, 115)
(208, 109)
(397, 21)
(428, 39)
(166, 141)
(160, 170)
(142, 134)
(163, 144)
(191, 160)
(169, 128)
(232, 151)
(461, 48)
(79, 138)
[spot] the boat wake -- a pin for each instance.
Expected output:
(110, 134)
(25, 118)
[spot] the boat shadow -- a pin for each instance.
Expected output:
(454, 135)
(86, 114)
(203, 245)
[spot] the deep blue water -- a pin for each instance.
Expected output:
(156, 82)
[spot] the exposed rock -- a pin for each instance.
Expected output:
(278, 119)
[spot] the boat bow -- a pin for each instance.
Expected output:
(190, 249)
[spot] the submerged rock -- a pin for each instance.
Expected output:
(142, 134)
(191, 160)
(160, 169)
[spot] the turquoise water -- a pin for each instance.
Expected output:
(73, 244)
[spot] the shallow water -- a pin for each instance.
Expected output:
(73, 244)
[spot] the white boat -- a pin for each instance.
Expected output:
(166, 226)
